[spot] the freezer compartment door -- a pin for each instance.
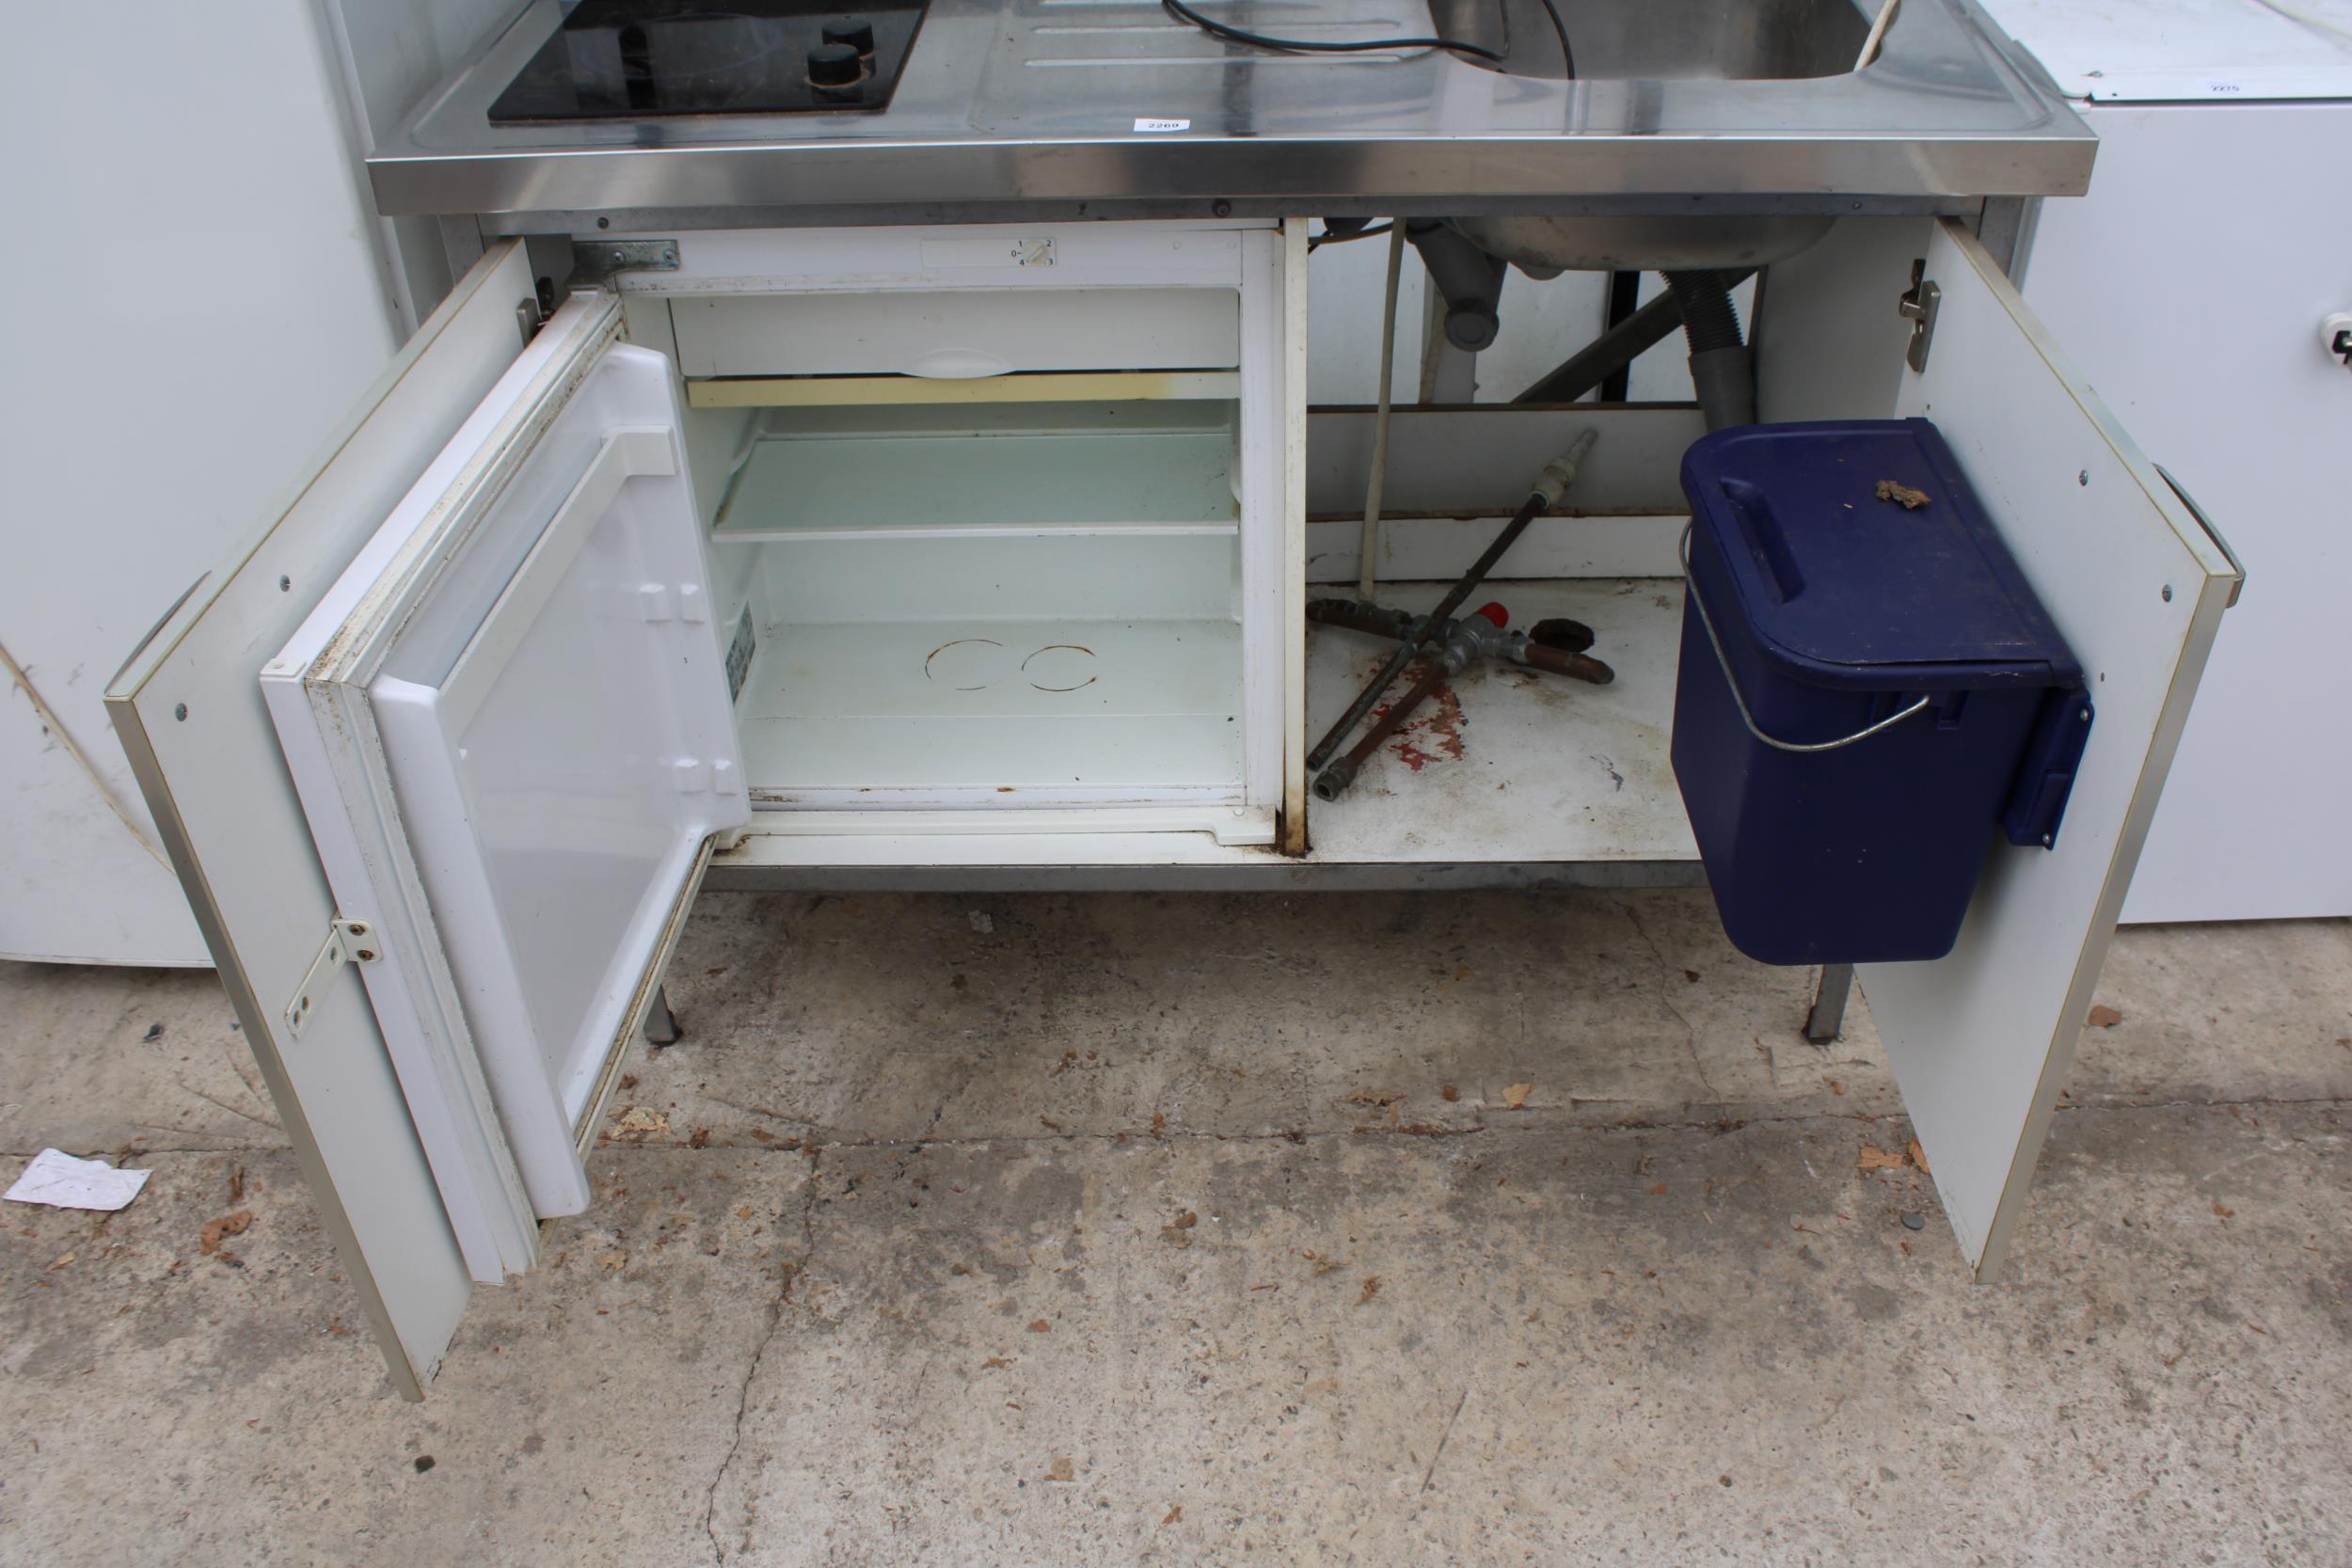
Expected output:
(508, 723)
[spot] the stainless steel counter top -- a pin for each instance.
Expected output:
(1030, 107)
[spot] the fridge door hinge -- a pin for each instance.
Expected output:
(348, 941)
(594, 262)
(1918, 305)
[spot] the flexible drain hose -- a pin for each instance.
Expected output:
(1707, 317)
(1722, 375)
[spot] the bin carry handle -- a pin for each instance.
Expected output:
(1691, 588)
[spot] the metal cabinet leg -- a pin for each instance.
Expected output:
(1821, 1025)
(661, 1023)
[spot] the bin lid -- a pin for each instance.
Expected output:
(1855, 554)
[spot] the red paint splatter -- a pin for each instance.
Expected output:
(1433, 733)
(1440, 718)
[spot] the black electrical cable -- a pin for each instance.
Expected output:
(1561, 28)
(1216, 29)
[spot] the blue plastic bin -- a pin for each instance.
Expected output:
(1905, 693)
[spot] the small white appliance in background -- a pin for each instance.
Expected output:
(2202, 286)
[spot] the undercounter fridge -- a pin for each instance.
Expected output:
(2200, 287)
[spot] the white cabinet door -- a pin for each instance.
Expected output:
(1980, 1040)
(457, 721)
(187, 707)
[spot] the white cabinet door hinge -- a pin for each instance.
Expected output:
(347, 942)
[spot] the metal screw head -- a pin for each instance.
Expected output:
(2168, 592)
(604, 222)
(180, 711)
(2083, 478)
(285, 585)
(1221, 209)
(366, 954)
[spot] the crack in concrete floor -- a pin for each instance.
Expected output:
(792, 1271)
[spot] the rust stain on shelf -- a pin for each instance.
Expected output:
(959, 643)
(1059, 647)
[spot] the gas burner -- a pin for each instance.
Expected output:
(636, 60)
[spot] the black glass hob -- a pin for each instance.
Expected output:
(631, 60)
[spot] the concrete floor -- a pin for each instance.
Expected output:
(1112, 1230)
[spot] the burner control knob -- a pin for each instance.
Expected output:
(835, 68)
(857, 35)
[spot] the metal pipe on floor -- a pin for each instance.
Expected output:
(1452, 648)
(1333, 781)
(1549, 486)
(1555, 645)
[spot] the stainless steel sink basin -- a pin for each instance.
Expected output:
(1665, 40)
(1662, 41)
(1645, 242)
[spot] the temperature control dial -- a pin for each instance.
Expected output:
(835, 68)
(857, 35)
